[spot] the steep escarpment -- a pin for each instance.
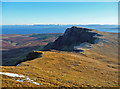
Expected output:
(72, 37)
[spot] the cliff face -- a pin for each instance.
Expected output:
(72, 37)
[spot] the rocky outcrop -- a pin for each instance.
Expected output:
(72, 37)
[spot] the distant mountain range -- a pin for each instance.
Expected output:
(63, 24)
(52, 28)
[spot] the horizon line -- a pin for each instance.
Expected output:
(60, 24)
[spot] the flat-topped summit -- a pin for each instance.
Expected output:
(72, 37)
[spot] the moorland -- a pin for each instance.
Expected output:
(61, 62)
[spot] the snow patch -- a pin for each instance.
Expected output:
(36, 83)
(19, 80)
(11, 74)
(20, 76)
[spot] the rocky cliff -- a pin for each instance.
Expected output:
(72, 37)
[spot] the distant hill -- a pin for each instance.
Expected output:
(72, 37)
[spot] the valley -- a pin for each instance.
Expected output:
(16, 46)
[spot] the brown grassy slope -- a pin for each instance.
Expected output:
(63, 68)
(106, 50)
(97, 66)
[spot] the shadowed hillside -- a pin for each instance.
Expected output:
(15, 47)
(72, 37)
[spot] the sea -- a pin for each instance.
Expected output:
(41, 29)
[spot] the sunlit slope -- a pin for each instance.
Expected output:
(58, 68)
(106, 49)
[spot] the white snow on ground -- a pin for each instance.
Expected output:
(36, 83)
(20, 76)
(29, 80)
(11, 74)
(19, 80)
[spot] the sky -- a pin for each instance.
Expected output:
(21, 13)
(60, 0)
